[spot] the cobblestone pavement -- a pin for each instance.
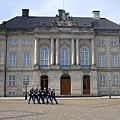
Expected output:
(67, 109)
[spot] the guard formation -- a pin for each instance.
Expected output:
(42, 96)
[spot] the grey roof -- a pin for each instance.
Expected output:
(29, 22)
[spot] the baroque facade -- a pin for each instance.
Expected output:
(74, 55)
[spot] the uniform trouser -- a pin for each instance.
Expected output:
(53, 97)
(36, 97)
(30, 99)
(49, 99)
(39, 97)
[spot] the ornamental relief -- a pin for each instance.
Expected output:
(63, 19)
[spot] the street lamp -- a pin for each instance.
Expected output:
(109, 88)
(26, 89)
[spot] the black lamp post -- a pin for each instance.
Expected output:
(109, 89)
(26, 89)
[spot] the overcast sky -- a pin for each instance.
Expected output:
(109, 9)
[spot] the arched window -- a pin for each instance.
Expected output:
(44, 57)
(64, 58)
(84, 56)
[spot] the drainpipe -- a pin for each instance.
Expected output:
(6, 36)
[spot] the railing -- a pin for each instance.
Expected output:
(43, 67)
(64, 67)
(85, 67)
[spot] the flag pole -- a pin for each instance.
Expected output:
(63, 4)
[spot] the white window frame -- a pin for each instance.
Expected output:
(84, 59)
(11, 93)
(26, 42)
(12, 60)
(26, 60)
(44, 57)
(26, 79)
(64, 58)
(114, 43)
(12, 80)
(101, 60)
(13, 42)
(115, 60)
(116, 80)
(101, 43)
(102, 79)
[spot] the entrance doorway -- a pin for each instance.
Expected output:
(65, 85)
(44, 81)
(86, 84)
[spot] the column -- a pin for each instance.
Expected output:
(36, 52)
(72, 52)
(93, 52)
(77, 52)
(52, 51)
(57, 51)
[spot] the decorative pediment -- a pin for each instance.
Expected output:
(63, 19)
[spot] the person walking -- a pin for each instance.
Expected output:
(31, 92)
(53, 96)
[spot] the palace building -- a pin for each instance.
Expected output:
(76, 56)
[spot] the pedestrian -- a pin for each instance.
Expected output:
(46, 95)
(53, 96)
(31, 92)
(39, 94)
(49, 95)
(36, 95)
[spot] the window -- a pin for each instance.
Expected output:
(25, 80)
(12, 60)
(64, 58)
(26, 60)
(11, 93)
(101, 60)
(116, 92)
(113, 43)
(116, 79)
(12, 80)
(26, 42)
(44, 58)
(13, 42)
(84, 56)
(102, 80)
(114, 60)
(103, 92)
(100, 43)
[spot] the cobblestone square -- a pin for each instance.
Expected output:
(67, 109)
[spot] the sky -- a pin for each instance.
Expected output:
(109, 9)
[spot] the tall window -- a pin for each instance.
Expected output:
(113, 43)
(64, 58)
(26, 80)
(26, 60)
(102, 80)
(12, 60)
(116, 79)
(101, 60)
(44, 57)
(84, 56)
(11, 80)
(114, 60)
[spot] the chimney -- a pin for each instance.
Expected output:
(96, 15)
(25, 12)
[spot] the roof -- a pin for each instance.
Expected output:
(29, 22)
